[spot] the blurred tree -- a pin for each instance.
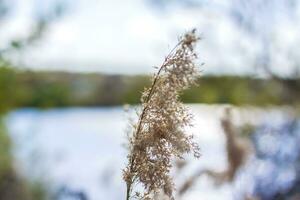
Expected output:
(134, 87)
(263, 23)
(257, 18)
(109, 91)
(42, 22)
(7, 87)
(12, 187)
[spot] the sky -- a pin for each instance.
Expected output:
(132, 36)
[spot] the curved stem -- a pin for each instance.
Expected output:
(152, 88)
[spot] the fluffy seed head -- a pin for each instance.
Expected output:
(159, 134)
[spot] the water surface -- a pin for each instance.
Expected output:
(82, 148)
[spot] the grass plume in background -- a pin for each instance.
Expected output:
(159, 134)
(237, 151)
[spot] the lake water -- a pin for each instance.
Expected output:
(82, 148)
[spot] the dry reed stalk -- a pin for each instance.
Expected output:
(159, 135)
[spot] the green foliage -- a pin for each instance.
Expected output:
(237, 91)
(134, 88)
(12, 186)
(57, 89)
(5, 155)
(7, 87)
